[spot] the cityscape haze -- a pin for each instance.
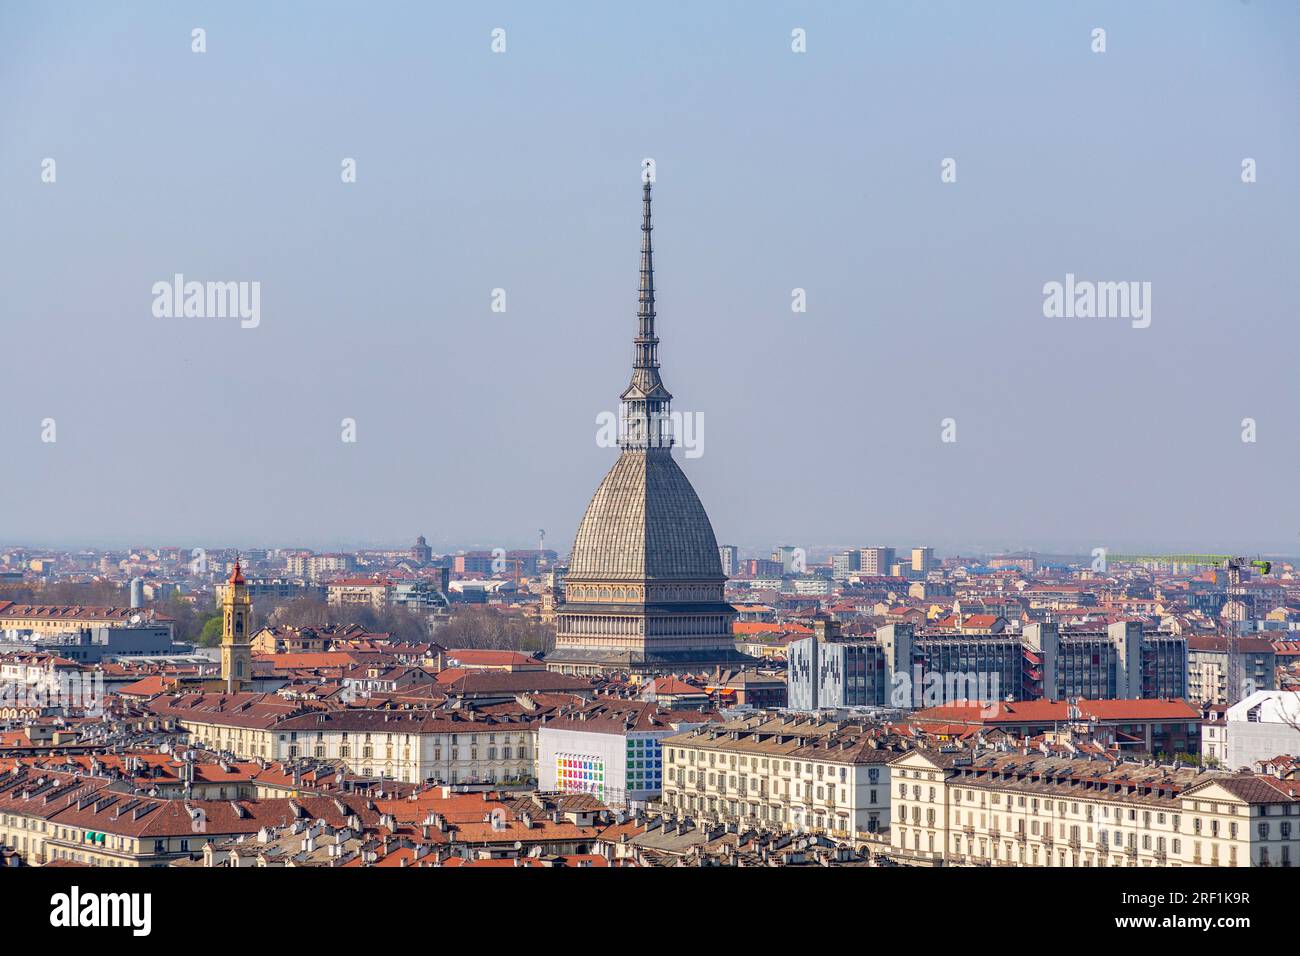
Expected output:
(777, 171)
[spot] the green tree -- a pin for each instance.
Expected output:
(210, 636)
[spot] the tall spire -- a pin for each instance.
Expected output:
(644, 422)
(647, 345)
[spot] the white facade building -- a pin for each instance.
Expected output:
(609, 749)
(1263, 726)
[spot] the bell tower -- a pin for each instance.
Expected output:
(236, 620)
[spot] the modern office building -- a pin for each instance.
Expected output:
(822, 675)
(1121, 662)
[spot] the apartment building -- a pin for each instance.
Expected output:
(427, 597)
(783, 773)
(448, 746)
(43, 620)
(48, 816)
(1214, 735)
(1137, 726)
(359, 592)
(29, 801)
(415, 746)
(315, 567)
(264, 591)
(1211, 660)
(1022, 808)
(478, 562)
(844, 564)
(877, 562)
(811, 586)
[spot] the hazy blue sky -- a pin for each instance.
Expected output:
(775, 170)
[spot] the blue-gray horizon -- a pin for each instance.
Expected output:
(883, 272)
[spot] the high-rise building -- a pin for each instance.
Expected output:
(876, 561)
(762, 568)
(787, 555)
(922, 560)
(845, 563)
(644, 590)
(730, 556)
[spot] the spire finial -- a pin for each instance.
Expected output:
(646, 341)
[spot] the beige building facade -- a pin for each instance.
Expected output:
(781, 773)
(1018, 809)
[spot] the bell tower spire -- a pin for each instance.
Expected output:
(644, 421)
(236, 623)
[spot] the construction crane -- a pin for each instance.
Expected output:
(1238, 571)
(1235, 566)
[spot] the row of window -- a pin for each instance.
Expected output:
(731, 760)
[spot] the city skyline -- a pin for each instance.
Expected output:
(937, 518)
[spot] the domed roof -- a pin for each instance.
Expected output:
(645, 522)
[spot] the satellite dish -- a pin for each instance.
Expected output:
(136, 619)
